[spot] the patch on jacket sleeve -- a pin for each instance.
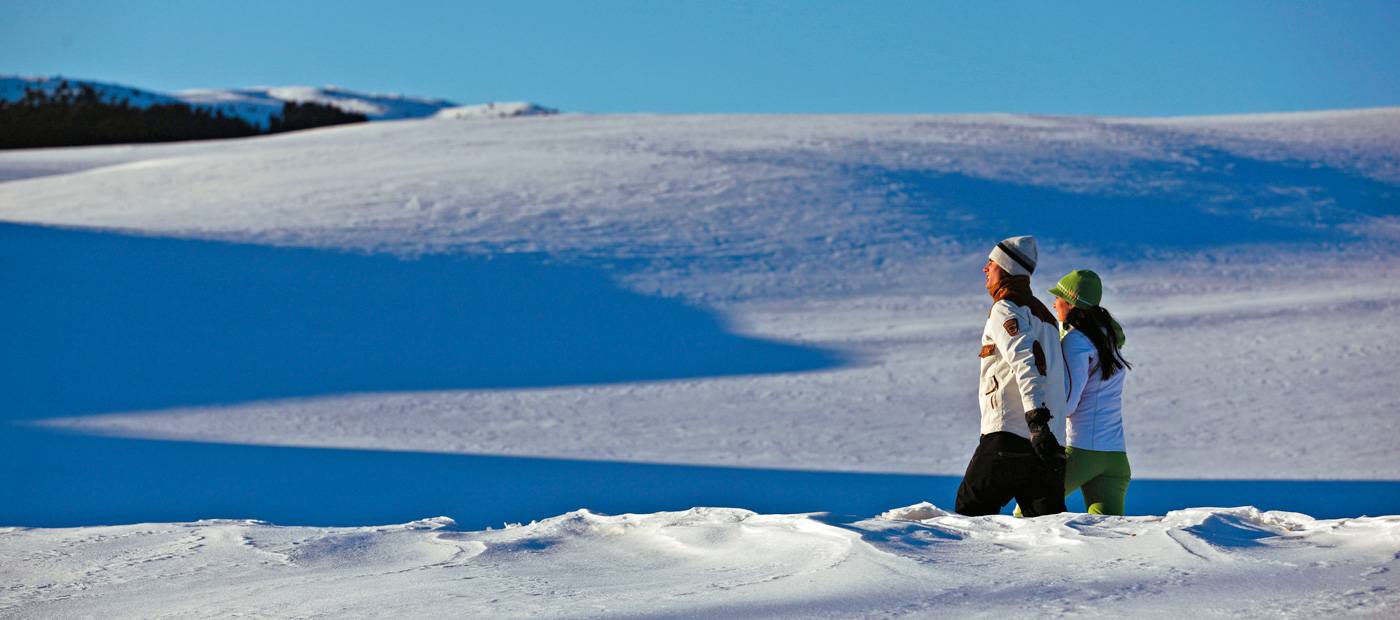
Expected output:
(1039, 354)
(988, 350)
(1012, 327)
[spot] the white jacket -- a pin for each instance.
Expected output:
(1023, 368)
(1095, 406)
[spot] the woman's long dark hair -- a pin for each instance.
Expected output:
(1098, 325)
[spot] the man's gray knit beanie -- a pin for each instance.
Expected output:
(1016, 255)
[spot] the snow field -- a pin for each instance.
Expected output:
(1252, 261)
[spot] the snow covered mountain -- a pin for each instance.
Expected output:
(495, 110)
(639, 315)
(257, 105)
(13, 87)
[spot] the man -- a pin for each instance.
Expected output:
(1023, 387)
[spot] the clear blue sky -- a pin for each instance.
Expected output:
(1178, 57)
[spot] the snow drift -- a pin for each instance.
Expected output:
(718, 562)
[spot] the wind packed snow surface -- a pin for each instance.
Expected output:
(373, 323)
(718, 562)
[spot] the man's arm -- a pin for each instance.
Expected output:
(1022, 352)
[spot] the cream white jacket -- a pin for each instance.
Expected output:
(1095, 406)
(1023, 368)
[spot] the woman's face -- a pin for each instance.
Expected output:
(1062, 309)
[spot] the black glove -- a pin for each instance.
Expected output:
(1046, 446)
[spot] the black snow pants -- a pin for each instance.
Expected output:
(1003, 468)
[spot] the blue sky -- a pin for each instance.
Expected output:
(1163, 58)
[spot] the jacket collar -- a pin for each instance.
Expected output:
(1017, 290)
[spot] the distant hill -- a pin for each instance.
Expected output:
(65, 114)
(54, 111)
(259, 105)
(495, 110)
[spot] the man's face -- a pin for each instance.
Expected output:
(994, 275)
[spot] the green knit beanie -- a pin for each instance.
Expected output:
(1083, 288)
(1080, 287)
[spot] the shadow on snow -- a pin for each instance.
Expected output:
(55, 478)
(101, 322)
(1216, 199)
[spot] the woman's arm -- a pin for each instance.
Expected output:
(1079, 358)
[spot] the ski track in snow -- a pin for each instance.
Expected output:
(1251, 259)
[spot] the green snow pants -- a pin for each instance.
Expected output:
(1102, 477)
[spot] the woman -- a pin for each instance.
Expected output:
(1098, 460)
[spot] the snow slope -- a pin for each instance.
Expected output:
(861, 235)
(649, 313)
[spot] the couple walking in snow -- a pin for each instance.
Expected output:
(1039, 369)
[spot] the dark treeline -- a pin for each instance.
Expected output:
(306, 115)
(76, 116)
